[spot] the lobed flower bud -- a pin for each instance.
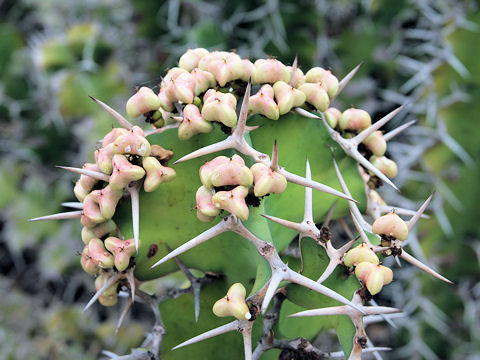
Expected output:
(122, 251)
(262, 103)
(325, 77)
(206, 169)
(165, 103)
(89, 265)
(248, 70)
(298, 78)
(376, 143)
(205, 205)
(391, 225)
(92, 214)
(98, 253)
(99, 231)
(107, 200)
(193, 123)
(103, 159)
(233, 201)
(267, 181)
(124, 172)
(354, 119)
(315, 95)
(373, 276)
(113, 135)
(332, 115)
(133, 142)
(385, 165)
(361, 253)
(270, 71)
(144, 101)
(225, 66)
(172, 74)
(231, 172)
(156, 174)
(181, 89)
(203, 80)
(220, 107)
(190, 59)
(287, 97)
(233, 304)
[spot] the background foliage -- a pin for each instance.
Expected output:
(53, 54)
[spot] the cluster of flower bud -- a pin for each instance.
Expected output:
(390, 227)
(233, 304)
(125, 157)
(352, 122)
(227, 183)
(367, 268)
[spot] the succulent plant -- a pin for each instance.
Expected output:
(249, 196)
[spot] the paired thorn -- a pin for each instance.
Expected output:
(133, 189)
(274, 162)
(112, 280)
(120, 119)
(124, 313)
(131, 282)
(94, 174)
(409, 258)
(73, 205)
(60, 216)
(160, 130)
(336, 258)
(293, 72)
(346, 80)
(388, 136)
(411, 223)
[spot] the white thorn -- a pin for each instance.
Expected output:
(242, 118)
(359, 157)
(160, 130)
(308, 211)
(272, 287)
(372, 128)
(121, 120)
(247, 340)
(411, 223)
(306, 113)
(313, 184)
(60, 216)
(286, 223)
(274, 162)
(228, 143)
(123, 315)
(206, 235)
(388, 136)
(94, 174)
(207, 335)
(400, 211)
(112, 280)
(387, 319)
(409, 258)
(360, 230)
(346, 80)
(134, 198)
(333, 263)
(73, 205)
(333, 310)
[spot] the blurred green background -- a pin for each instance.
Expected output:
(55, 53)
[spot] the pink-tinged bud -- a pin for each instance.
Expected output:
(91, 211)
(144, 101)
(172, 74)
(204, 203)
(165, 102)
(267, 181)
(217, 56)
(385, 165)
(124, 172)
(98, 253)
(225, 66)
(107, 199)
(354, 119)
(190, 59)
(391, 225)
(161, 154)
(193, 123)
(287, 97)
(122, 251)
(103, 158)
(203, 217)
(79, 191)
(376, 143)
(248, 70)
(376, 198)
(233, 304)
(270, 71)
(327, 80)
(156, 174)
(133, 142)
(233, 201)
(373, 276)
(89, 265)
(361, 253)
(206, 169)
(262, 103)
(101, 280)
(99, 231)
(203, 80)
(332, 115)
(181, 89)
(315, 95)
(113, 135)
(232, 172)
(220, 107)
(298, 77)
(88, 182)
